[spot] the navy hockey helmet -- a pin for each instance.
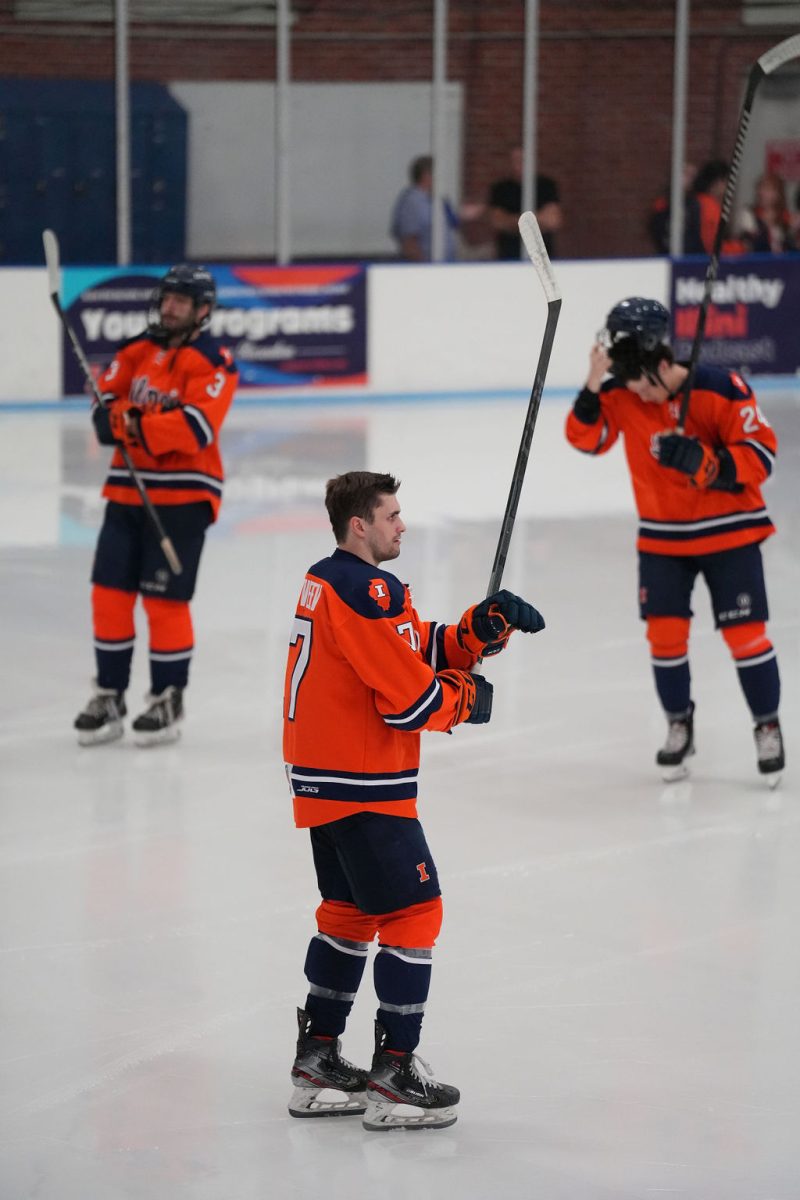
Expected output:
(645, 321)
(636, 330)
(185, 280)
(195, 282)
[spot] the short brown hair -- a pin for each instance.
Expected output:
(355, 494)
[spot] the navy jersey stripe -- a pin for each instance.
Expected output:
(671, 532)
(417, 714)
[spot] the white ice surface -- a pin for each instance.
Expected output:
(617, 986)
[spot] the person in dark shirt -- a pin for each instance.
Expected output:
(505, 206)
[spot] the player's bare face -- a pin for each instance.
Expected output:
(383, 534)
(178, 314)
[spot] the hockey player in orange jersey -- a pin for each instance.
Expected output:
(365, 675)
(701, 512)
(166, 395)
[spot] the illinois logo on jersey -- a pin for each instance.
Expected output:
(379, 591)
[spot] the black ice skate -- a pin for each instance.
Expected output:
(325, 1084)
(101, 719)
(678, 747)
(405, 1080)
(160, 722)
(769, 748)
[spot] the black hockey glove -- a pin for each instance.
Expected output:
(474, 696)
(101, 419)
(587, 407)
(481, 709)
(690, 456)
(485, 628)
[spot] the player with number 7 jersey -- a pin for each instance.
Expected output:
(364, 676)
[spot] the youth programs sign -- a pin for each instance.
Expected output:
(286, 326)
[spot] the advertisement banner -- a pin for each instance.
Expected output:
(286, 326)
(751, 324)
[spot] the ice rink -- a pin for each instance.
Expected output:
(616, 990)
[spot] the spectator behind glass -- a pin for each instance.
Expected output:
(505, 206)
(709, 188)
(766, 225)
(659, 216)
(412, 216)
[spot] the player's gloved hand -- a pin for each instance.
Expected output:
(125, 423)
(688, 455)
(474, 696)
(587, 406)
(485, 628)
(102, 409)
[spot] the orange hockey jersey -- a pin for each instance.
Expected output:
(674, 516)
(361, 682)
(184, 394)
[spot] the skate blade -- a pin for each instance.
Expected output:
(773, 778)
(326, 1102)
(678, 771)
(160, 737)
(387, 1115)
(98, 737)
(675, 774)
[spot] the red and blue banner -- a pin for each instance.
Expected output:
(299, 326)
(752, 322)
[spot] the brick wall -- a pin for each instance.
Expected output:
(604, 95)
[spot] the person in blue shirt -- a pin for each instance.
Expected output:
(412, 216)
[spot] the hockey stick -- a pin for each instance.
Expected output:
(770, 61)
(52, 259)
(534, 244)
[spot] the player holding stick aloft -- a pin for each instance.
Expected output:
(701, 512)
(365, 675)
(164, 398)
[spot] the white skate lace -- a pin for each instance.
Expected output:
(677, 736)
(768, 742)
(101, 704)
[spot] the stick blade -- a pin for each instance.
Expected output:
(51, 257)
(533, 241)
(784, 52)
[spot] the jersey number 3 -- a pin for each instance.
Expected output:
(301, 632)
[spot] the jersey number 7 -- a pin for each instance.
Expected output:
(301, 632)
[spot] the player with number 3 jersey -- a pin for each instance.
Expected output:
(701, 512)
(365, 676)
(165, 397)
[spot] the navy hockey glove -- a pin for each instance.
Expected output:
(690, 456)
(101, 419)
(587, 406)
(475, 696)
(491, 623)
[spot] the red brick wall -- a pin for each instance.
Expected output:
(604, 94)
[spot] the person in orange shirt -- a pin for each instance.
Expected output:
(701, 512)
(705, 211)
(165, 397)
(364, 676)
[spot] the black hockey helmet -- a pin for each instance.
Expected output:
(195, 282)
(635, 332)
(185, 280)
